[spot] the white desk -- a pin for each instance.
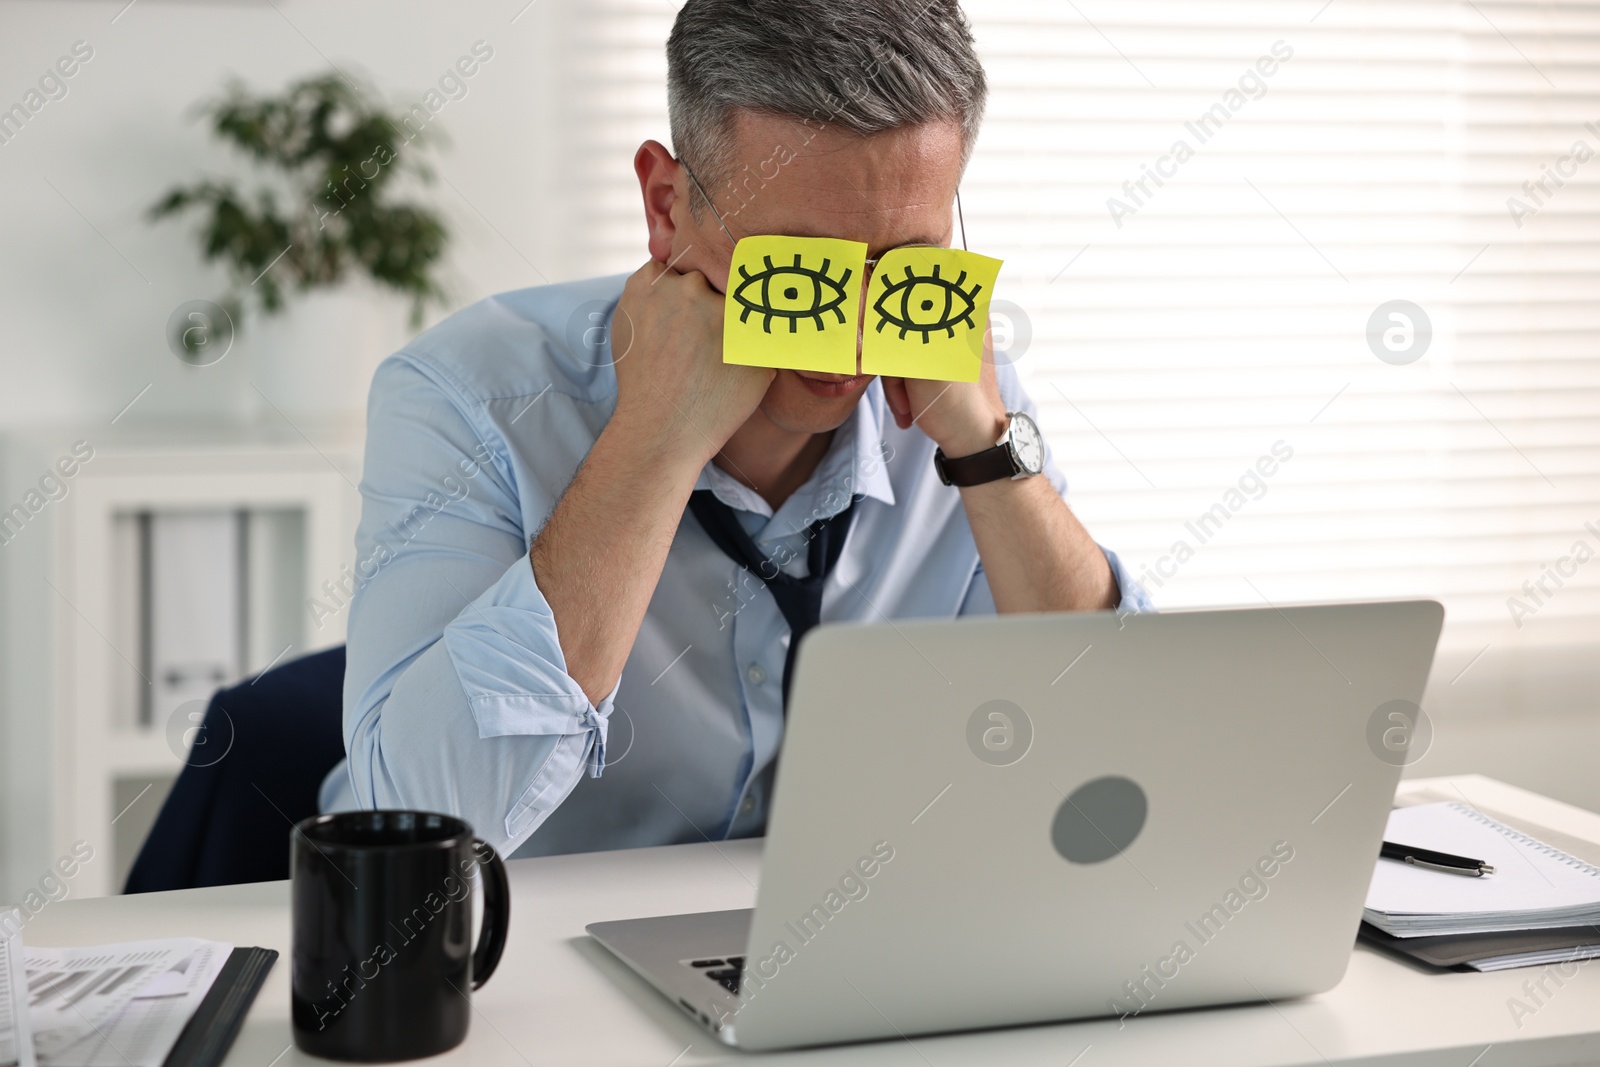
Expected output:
(559, 999)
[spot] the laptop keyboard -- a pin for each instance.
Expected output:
(725, 972)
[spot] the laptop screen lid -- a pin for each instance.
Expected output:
(1008, 820)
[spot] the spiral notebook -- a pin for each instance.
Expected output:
(1535, 886)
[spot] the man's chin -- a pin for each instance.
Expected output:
(804, 403)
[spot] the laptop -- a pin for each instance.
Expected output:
(997, 821)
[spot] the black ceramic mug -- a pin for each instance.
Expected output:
(382, 963)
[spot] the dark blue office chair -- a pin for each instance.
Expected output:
(229, 821)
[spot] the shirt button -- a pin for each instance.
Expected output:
(757, 674)
(748, 806)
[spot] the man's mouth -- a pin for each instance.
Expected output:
(831, 385)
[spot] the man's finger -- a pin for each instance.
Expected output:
(895, 395)
(657, 275)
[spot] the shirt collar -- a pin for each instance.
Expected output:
(856, 464)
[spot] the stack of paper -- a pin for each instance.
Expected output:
(16, 1035)
(1537, 959)
(1534, 887)
(114, 1005)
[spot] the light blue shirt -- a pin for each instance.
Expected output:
(456, 695)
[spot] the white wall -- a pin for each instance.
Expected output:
(85, 311)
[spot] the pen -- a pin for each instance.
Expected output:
(1436, 861)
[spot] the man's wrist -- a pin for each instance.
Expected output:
(978, 435)
(672, 446)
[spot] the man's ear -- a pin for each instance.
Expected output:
(660, 177)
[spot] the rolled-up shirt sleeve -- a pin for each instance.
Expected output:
(1132, 596)
(457, 698)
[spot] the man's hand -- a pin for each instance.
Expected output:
(672, 386)
(599, 557)
(960, 417)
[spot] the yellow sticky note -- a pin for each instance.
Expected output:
(793, 303)
(927, 312)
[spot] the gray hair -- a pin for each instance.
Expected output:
(864, 65)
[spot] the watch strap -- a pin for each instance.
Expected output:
(990, 465)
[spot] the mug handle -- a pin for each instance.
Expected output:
(496, 914)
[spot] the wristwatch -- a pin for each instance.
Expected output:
(1018, 454)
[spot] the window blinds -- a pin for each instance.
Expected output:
(1208, 214)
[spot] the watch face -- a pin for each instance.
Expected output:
(1027, 443)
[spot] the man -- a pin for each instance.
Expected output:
(542, 601)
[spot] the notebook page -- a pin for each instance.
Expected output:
(1529, 876)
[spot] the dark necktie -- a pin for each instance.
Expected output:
(800, 599)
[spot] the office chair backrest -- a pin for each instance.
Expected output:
(229, 820)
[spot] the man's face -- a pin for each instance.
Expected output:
(885, 190)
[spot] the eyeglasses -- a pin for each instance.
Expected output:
(960, 217)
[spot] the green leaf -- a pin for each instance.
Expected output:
(339, 150)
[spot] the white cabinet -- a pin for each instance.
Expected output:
(86, 727)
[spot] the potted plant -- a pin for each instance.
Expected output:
(339, 153)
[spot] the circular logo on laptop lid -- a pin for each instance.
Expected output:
(1099, 819)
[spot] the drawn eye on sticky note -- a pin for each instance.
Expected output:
(927, 312)
(793, 303)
